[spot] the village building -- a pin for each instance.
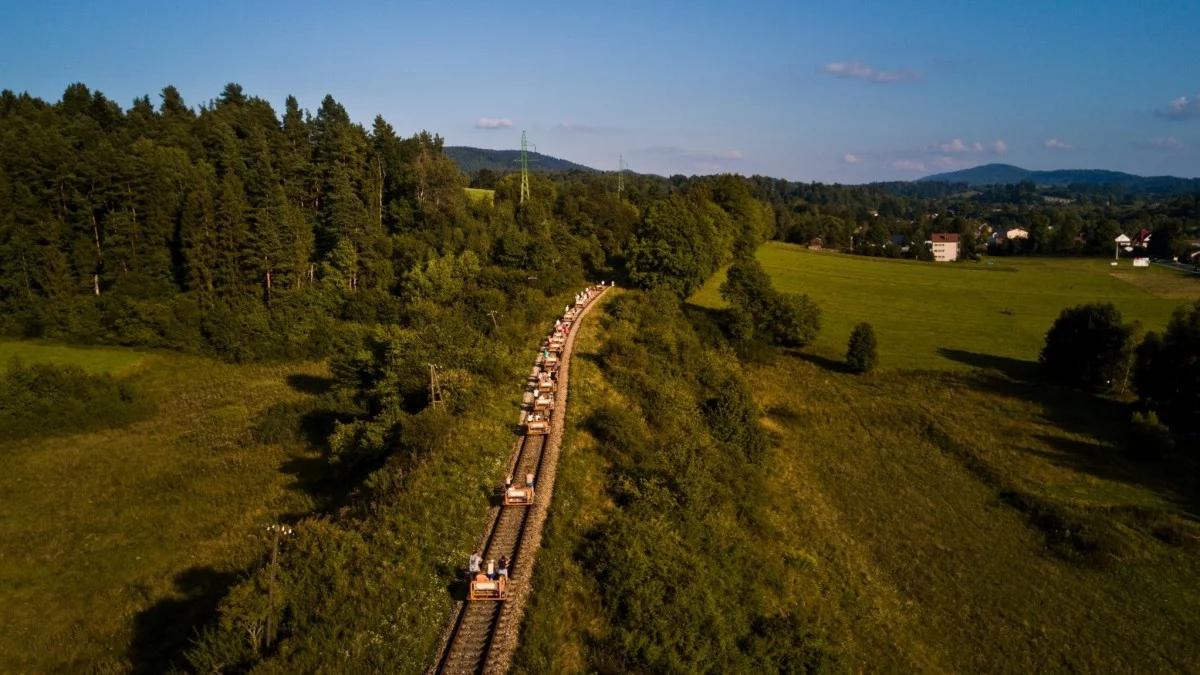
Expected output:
(945, 247)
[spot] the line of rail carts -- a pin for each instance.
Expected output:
(537, 417)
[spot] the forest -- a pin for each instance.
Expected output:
(233, 230)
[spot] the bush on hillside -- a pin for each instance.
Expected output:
(795, 320)
(42, 399)
(1152, 438)
(1089, 347)
(861, 350)
(1167, 371)
(689, 508)
(759, 312)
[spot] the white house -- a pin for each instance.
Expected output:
(945, 247)
(1017, 233)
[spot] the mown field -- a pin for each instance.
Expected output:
(925, 312)
(113, 543)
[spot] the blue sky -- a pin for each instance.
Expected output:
(845, 91)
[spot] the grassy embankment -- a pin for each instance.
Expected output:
(936, 520)
(564, 616)
(658, 556)
(919, 308)
(977, 522)
(114, 542)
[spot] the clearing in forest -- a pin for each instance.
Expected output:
(91, 359)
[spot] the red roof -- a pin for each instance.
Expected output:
(945, 238)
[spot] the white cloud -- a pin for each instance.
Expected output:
(737, 154)
(493, 123)
(1055, 144)
(1167, 143)
(859, 71)
(906, 165)
(1182, 108)
(851, 159)
(958, 145)
(944, 162)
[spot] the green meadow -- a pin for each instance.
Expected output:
(476, 195)
(91, 359)
(115, 543)
(922, 310)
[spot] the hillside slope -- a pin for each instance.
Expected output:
(471, 160)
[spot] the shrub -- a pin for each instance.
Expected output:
(796, 320)
(1088, 347)
(759, 311)
(860, 352)
(1152, 438)
(1167, 372)
(43, 399)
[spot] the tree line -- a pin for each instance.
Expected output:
(1091, 347)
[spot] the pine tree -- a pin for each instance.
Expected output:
(230, 275)
(198, 233)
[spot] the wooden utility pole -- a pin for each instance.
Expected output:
(276, 531)
(435, 387)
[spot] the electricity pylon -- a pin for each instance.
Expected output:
(620, 176)
(524, 162)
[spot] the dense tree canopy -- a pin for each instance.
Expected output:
(1089, 346)
(1167, 374)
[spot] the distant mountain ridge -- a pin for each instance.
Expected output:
(471, 160)
(1007, 174)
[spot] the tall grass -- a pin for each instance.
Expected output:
(979, 522)
(117, 541)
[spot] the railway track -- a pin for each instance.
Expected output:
(482, 634)
(474, 629)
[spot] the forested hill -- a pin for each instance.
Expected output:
(1007, 174)
(471, 160)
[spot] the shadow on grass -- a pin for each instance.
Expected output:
(331, 486)
(310, 384)
(1114, 456)
(823, 362)
(1017, 369)
(1173, 477)
(163, 632)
